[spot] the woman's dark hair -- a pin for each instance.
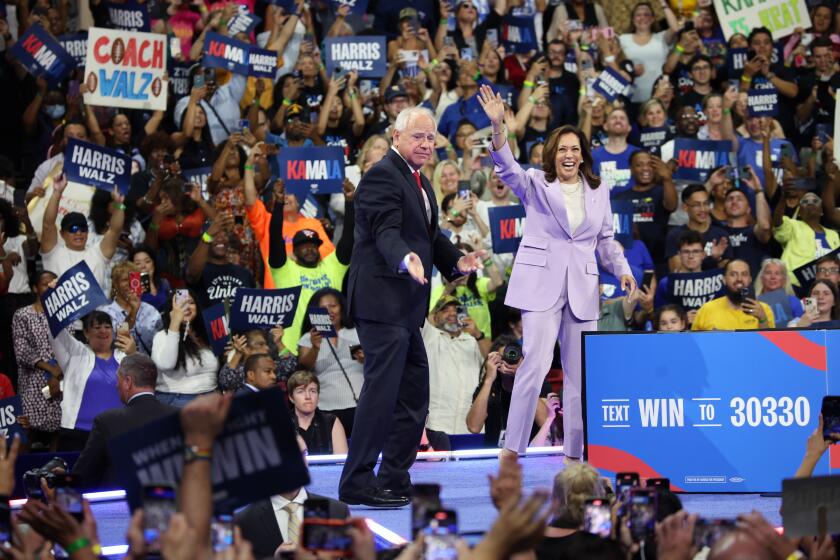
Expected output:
(835, 309)
(96, 318)
(100, 210)
(453, 76)
(344, 319)
(11, 222)
(217, 153)
(676, 308)
(501, 77)
(174, 189)
(148, 250)
(111, 125)
(36, 279)
(188, 347)
(446, 202)
(155, 141)
(758, 31)
(654, 27)
(550, 153)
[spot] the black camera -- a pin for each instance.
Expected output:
(32, 477)
(511, 354)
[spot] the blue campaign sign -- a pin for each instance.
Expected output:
(611, 84)
(129, 16)
(696, 159)
(321, 322)
(518, 34)
(254, 308)
(368, 56)
(668, 405)
(735, 60)
(76, 294)
(96, 166)
(651, 138)
(807, 273)
(76, 47)
(763, 102)
(622, 211)
(255, 456)
(198, 176)
(262, 63)
(179, 78)
(243, 22)
(506, 224)
(692, 289)
(312, 170)
(311, 208)
(357, 7)
(216, 325)
(42, 56)
(227, 53)
(10, 410)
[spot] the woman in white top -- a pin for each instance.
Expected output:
(646, 47)
(340, 371)
(187, 367)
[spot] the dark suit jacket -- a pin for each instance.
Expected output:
(93, 468)
(259, 524)
(390, 223)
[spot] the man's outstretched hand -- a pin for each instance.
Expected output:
(471, 262)
(415, 269)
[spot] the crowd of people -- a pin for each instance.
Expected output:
(748, 230)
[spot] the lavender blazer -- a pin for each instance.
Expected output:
(550, 255)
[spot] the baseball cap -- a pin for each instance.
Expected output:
(444, 301)
(406, 13)
(296, 111)
(74, 219)
(306, 236)
(393, 92)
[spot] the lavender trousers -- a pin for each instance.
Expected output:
(539, 331)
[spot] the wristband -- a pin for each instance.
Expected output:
(582, 91)
(119, 206)
(435, 62)
(511, 136)
(532, 99)
(609, 59)
(477, 76)
(444, 21)
(354, 95)
(526, 83)
(97, 548)
(195, 453)
(455, 213)
(680, 49)
(154, 227)
(249, 167)
(77, 545)
(583, 47)
(746, 79)
(727, 111)
(286, 102)
(207, 238)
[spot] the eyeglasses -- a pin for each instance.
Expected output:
(77, 228)
(809, 202)
(828, 270)
(692, 252)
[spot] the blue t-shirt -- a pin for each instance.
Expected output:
(750, 153)
(614, 169)
(100, 393)
(463, 109)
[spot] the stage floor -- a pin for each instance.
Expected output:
(465, 489)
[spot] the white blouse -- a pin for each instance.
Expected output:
(573, 197)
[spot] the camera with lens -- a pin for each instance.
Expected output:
(32, 477)
(511, 354)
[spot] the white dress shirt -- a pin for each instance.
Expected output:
(278, 502)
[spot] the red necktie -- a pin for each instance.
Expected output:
(419, 183)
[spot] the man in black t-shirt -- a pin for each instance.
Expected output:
(654, 197)
(695, 201)
(815, 104)
(760, 74)
(747, 239)
(210, 272)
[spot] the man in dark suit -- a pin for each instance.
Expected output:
(277, 521)
(397, 240)
(136, 379)
(260, 374)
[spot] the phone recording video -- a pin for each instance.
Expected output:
(323, 535)
(658, 483)
(221, 532)
(440, 535)
(158, 508)
(70, 500)
(641, 519)
(597, 518)
(624, 482)
(708, 531)
(464, 189)
(831, 418)
(424, 497)
(135, 283)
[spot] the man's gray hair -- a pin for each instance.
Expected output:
(406, 115)
(140, 368)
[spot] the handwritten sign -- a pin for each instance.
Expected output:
(781, 17)
(126, 69)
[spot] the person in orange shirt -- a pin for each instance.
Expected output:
(293, 221)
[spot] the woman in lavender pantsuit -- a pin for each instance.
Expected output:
(555, 275)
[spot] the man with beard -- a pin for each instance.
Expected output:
(308, 269)
(210, 272)
(736, 310)
(612, 160)
(747, 237)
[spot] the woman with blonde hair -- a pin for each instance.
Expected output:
(142, 320)
(772, 286)
(445, 179)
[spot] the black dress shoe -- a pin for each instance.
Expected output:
(375, 497)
